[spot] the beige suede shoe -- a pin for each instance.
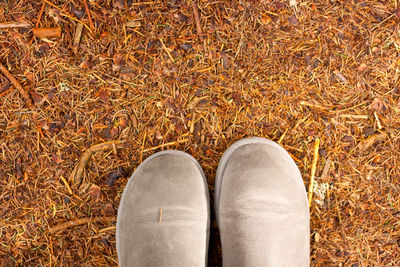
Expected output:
(163, 216)
(261, 206)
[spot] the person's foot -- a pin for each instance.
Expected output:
(261, 206)
(163, 216)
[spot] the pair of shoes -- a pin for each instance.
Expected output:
(260, 204)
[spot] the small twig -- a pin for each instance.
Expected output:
(5, 92)
(313, 170)
(197, 20)
(111, 228)
(15, 25)
(40, 14)
(17, 85)
(77, 173)
(48, 32)
(81, 221)
(166, 144)
(88, 13)
(51, 4)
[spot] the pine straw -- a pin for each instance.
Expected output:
(291, 74)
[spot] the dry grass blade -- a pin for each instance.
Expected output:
(313, 170)
(66, 184)
(166, 50)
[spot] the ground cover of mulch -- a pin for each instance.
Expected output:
(89, 89)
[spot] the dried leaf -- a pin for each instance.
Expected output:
(375, 49)
(108, 210)
(30, 76)
(340, 76)
(159, 135)
(114, 132)
(348, 139)
(18, 167)
(85, 64)
(194, 102)
(313, 7)
(265, 19)
(117, 62)
(362, 67)
(378, 105)
(181, 17)
(397, 12)
(119, 4)
(293, 20)
(371, 140)
(94, 192)
(57, 158)
(77, 35)
(123, 122)
(44, 125)
(37, 99)
(103, 94)
(55, 14)
(210, 153)
(77, 12)
(114, 175)
(380, 10)
(54, 128)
